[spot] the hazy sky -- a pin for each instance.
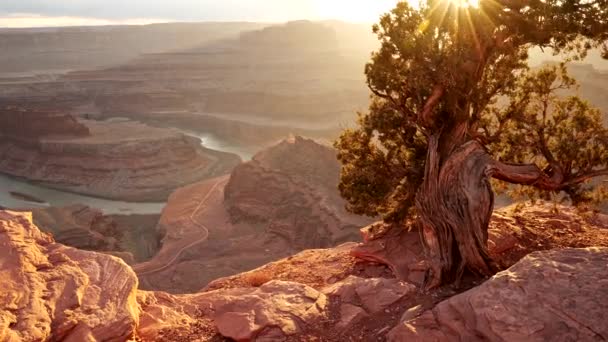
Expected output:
(26, 13)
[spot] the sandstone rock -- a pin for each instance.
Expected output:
(412, 313)
(282, 202)
(53, 292)
(350, 315)
(273, 312)
(291, 189)
(375, 294)
(559, 295)
(59, 293)
(241, 314)
(316, 268)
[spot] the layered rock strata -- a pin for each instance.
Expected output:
(53, 292)
(291, 189)
(282, 202)
(134, 238)
(122, 161)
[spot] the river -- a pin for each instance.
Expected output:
(61, 198)
(210, 141)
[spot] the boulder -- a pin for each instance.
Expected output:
(350, 315)
(242, 314)
(373, 294)
(559, 295)
(53, 292)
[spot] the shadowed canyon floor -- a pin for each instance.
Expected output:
(132, 237)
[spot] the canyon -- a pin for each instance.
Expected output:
(40, 53)
(246, 86)
(125, 161)
(249, 88)
(133, 238)
(152, 195)
(281, 202)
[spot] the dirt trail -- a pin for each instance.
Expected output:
(154, 266)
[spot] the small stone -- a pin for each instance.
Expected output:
(412, 313)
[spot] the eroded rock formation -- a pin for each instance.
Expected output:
(134, 238)
(126, 161)
(557, 295)
(53, 292)
(281, 202)
(33, 125)
(291, 189)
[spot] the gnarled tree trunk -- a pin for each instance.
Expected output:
(455, 204)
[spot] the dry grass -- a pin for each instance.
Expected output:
(257, 278)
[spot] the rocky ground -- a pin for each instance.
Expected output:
(276, 205)
(61, 293)
(122, 161)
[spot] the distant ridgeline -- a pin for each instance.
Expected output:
(31, 125)
(295, 34)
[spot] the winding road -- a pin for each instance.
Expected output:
(140, 268)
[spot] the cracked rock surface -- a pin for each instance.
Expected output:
(559, 295)
(53, 292)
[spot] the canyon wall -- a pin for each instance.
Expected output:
(254, 81)
(33, 125)
(280, 203)
(291, 189)
(69, 48)
(132, 237)
(123, 161)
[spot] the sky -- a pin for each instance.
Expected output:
(40, 13)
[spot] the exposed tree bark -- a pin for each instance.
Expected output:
(455, 204)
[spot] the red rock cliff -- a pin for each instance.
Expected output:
(32, 125)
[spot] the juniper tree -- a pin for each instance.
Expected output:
(455, 105)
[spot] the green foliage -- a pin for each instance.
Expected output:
(447, 65)
(552, 128)
(381, 163)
